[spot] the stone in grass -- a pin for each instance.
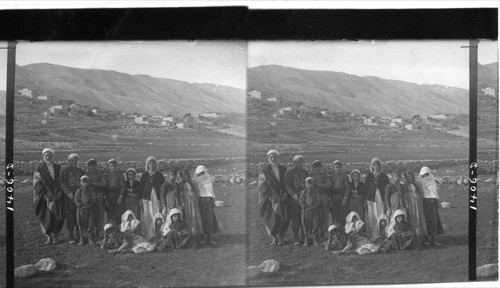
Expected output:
(46, 264)
(445, 205)
(269, 266)
(25, 271)
(252, 271)
(487, 270)
(219, 203)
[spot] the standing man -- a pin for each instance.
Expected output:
(341, 187)
(98, 183)
(48, 197)
(295, 182)
(273, 198)
(115, 182)
(70, 182)
(322, 181)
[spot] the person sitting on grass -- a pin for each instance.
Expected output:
(129, 226)
(156, 227)
(176, 232)
(337, 239)
(85, 199)
(114, 240)
(350, 221)
(399, 230)
(358, 242)
(381, 237)
(310, 201)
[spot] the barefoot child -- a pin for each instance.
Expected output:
(310, 201)
(84, 200)
(337, 239)
(114, 240)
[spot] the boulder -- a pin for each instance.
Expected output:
(46, 264)
(269, 266)
(487, 270)
(445, 205)
(219, 203)
(252, 271)
(25, 271)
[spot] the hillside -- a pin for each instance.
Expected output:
(487, 75)
(339, 91)
(129, 93)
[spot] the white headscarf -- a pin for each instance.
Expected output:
(349, 224)
(380, 218)
(273, 151)
(73, 155)
(429, 185)
(166, 227)
(204, 181)
(398, 212)
(129, 225)
(371, 166)
(48, 150)
(152, 226)
(148, 160)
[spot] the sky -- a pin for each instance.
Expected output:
(219, 62)
(421, 62)
(224, 62)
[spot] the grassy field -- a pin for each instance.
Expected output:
(88, 266)
(448, 263)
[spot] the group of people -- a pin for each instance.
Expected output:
(345, 213)
(144, 215)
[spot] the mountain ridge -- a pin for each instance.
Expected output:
(130, 93)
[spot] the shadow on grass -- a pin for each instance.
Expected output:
(228, 239)
(453, 240)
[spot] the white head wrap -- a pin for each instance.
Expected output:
(166, 227)
(148, 160)
(204, 181)
(390, 229)
(71, 156)
(152, 226)
(297, 157)
(371, 165)
(107, 226)
(428, 184)
(128, 225)
(349, 224)
(273, 151)
(48, 150)
(331, 228)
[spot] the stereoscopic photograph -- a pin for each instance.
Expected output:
(130, 161)
(359, 155)
(261, 163)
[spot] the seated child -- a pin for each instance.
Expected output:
(85, 200)
(176, 232)
(114, 240)
(400, 232)
(310, 201)
(154, 231)
(337, 239)
(350, 223)
(358, 243)
(129, 226)
(381, 237)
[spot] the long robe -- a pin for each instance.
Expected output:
(99, 187)
(356, 199)
(374, 189)
(271, 190)
(416, 215)
(150, 194)
(191, 208)
(340, 188)
(394, 196)
(295, 183)
(70, 178)
(48, 199)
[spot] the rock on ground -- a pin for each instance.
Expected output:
(487, 270)
(25, 271)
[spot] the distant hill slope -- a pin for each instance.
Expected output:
(487, 75)
(130, 93)
(350, 93)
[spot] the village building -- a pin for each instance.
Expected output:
(180, 125)
(141, 120)
(212, 115)
(488, 91)
(43, 122)
(26, 93)
(58, 110)
(285, 111)
(370, 122)
(437, 116)
(272, 123)
(271, 99)
(409, 126)
(396, 120)
(255, 95)
(325, 113)
(169, 118)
